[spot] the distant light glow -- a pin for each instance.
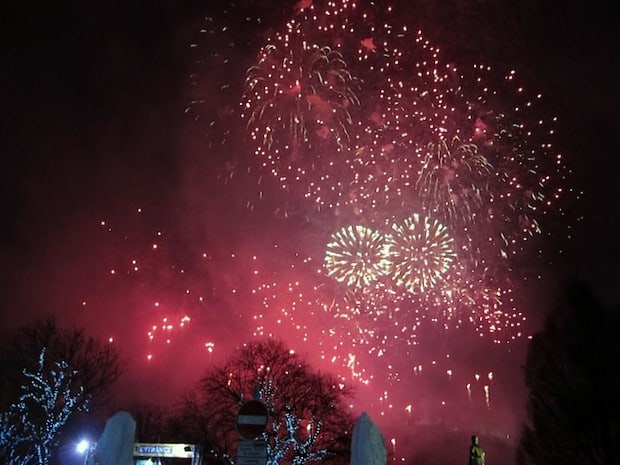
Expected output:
(82, 446)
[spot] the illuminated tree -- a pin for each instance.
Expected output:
(97, 365)
(309, 420)
(573, 376)
(32, 425)
(46, 375)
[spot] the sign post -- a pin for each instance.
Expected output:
(252, 419)
(147, 452)
(251, 423)
(251, 452)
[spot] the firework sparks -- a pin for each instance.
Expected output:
(356, 256)
(451, 181)
(420, 251)
(298, 103)
(289, 97)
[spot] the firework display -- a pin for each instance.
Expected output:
(434, 177)
(360, 196)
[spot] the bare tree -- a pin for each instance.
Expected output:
(151, 421)
(309, 420)
(32, 424)
(74, 362)
(97, 364)
(573, 376)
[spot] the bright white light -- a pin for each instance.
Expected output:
(82, 446)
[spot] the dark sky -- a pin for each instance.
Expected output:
(93, 127)
(91, 90)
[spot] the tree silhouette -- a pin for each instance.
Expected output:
(309, 420)
(151, 421)
(98, 364)
(573, 377)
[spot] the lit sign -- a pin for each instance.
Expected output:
(183, 451)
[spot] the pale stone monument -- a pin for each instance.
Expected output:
(368, 444)
(115, 446)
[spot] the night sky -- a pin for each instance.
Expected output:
(132, 207)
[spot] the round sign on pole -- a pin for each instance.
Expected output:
(252, 419)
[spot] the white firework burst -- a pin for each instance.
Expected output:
(420, 251)
(356, 256)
